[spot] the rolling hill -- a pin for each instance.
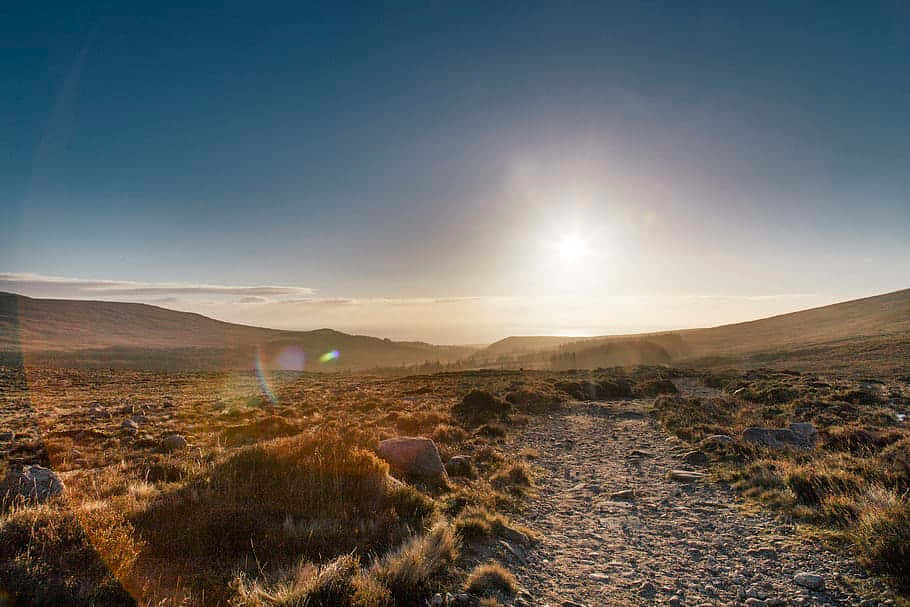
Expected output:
(871, 333)
(113, 333)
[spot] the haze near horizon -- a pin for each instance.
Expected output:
(457, 174)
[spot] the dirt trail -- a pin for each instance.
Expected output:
(672, 543)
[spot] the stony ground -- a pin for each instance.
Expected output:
(617, 531)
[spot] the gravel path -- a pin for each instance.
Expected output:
(674, 543)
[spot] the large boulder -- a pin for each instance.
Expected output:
(797, 436)
(413, 456)
(35, 483)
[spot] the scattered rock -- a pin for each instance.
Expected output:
(173, 442)
(777, 438)
(685, 476)
(812, 581)
(413, 456)
(460, 465)
(31, 482)
(6, 437)
(696, 458)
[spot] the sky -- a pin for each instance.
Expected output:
(457, 172)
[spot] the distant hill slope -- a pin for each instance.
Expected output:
(885, 315)
(523, 344)
(872, 332)
(47, 326)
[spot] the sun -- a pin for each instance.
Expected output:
(572, 248)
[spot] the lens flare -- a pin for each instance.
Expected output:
(291, 358)
(259, 365)
(328, 356)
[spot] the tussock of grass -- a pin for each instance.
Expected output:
(492, 430)
(882, 538)
(478, 523)
(402, 577)
(313, 496)
(515, 476)
(491, 578)
(447, 434)
(895, 461)
(811, 483)
(413, 570)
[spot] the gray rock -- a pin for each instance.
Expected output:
(129, 424)
(776, 438)
(460, 465)
(32, 483)
(414, 456)
(173, 442)
(805, 430)
(6, 437)
(812, 581)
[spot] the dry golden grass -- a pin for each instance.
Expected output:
(276, 500)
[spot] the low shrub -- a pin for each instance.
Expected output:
(479, 406)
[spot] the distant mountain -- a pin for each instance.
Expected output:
(100, 332)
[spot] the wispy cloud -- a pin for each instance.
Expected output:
(80, 288)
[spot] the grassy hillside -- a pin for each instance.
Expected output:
(98, 333)
(869, 335)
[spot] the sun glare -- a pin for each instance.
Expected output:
(571, 248)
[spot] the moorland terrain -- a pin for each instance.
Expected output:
(724, 475)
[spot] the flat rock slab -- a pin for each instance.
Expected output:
(685, 476)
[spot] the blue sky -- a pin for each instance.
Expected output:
(440, 151)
